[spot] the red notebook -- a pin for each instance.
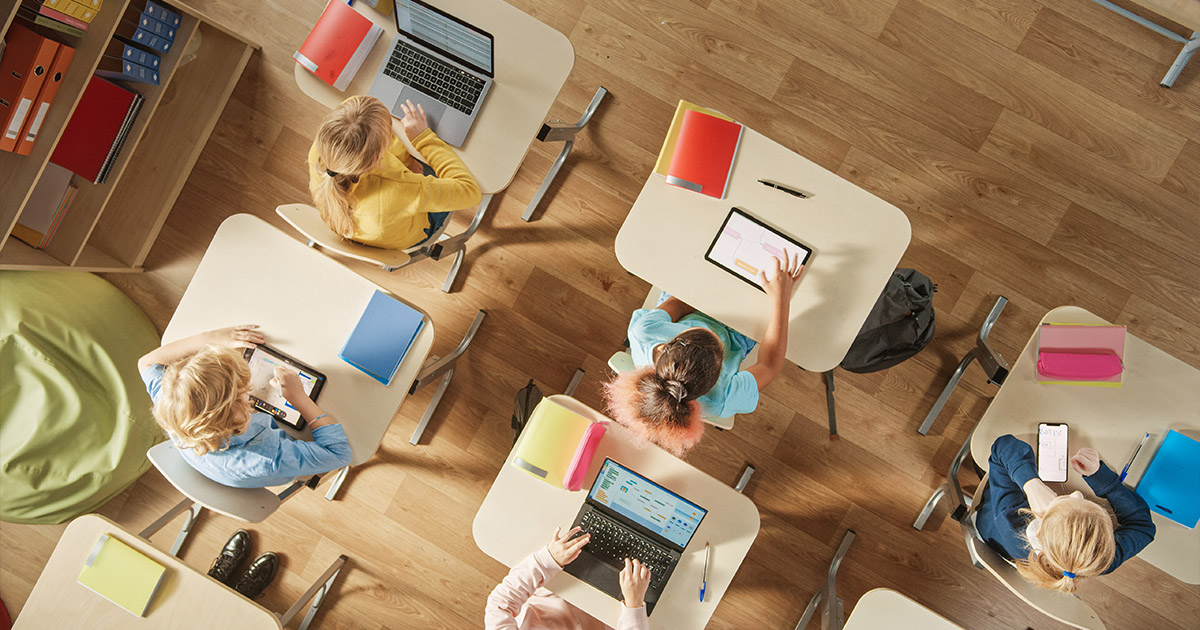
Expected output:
(96, 130)
(338, 44)
(704, 152)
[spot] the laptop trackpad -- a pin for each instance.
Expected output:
(433, 107)
(594, 572)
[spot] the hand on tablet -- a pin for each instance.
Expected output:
(779, 281)
(289, 385)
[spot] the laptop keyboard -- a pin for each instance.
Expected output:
(612, 542)
(449, 84)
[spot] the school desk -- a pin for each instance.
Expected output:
(532, 62)
(885, 608)
(520, 512)
(856, 237)
(1158, 392)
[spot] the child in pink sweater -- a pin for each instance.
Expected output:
(519, 602)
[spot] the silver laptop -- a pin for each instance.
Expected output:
(439, 62)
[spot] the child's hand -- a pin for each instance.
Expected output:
(1086, 461)
(244, 336)
(780, 281)
(289, 385)
(635, 579)
(414, 121)
(565, 549)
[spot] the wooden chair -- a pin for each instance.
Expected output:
(250, 505)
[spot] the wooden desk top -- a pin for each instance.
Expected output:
(520, 512)
(1184, 12)
(856, 237)
(306, 305)
(885, 608)
(532, 63)
(59, 601)
(1158, 392)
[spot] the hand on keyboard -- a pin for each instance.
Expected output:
(635, 579)
(564, 549)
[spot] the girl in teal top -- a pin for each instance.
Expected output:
(689, 366)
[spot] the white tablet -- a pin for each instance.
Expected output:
(744, 245)
(266, 397)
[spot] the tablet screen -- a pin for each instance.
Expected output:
(744, 245)
(263, 360)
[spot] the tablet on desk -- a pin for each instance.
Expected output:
(744, 245)
(266, 397)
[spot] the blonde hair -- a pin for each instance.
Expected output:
(349, 143)
(202, 399)
(1077, 537)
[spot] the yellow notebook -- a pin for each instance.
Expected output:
(121, 574)
(668, 148)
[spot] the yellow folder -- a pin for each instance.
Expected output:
(668, 148)
(121, 574)
(549, 441)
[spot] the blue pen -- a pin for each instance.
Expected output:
(704, 581)
(1125, 471)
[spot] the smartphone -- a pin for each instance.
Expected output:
(1052, 452)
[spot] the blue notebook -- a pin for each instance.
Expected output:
(1171, 485)
(382, 337)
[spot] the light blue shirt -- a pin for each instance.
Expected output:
(264, 455)
(736, 391)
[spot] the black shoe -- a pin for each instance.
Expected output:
(260, 574)
(232, 556)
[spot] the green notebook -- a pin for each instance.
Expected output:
(121, 574)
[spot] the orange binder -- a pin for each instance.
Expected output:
(45, 97)
(23, 68)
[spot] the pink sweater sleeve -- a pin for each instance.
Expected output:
(633, 619)
(506, 600)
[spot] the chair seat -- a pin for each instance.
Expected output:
(307, 220)
(251, 505)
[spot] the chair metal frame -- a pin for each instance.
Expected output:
(833, 613)
(1190, 44)
(992, 363)
(558, 131)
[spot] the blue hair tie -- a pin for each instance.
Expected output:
(1068, 574)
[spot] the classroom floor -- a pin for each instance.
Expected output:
(1028, 142)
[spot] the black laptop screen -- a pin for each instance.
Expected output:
(646, 503)
(445, 33)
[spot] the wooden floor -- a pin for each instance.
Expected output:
(1027, 141)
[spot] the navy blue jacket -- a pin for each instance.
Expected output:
(1011, 464)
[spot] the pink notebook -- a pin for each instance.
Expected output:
(1080, 354)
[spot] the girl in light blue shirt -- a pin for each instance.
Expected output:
(690, 365)
(200, 387)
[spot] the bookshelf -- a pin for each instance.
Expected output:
(110, 227)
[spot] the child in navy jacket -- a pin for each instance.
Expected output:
(1056, 540)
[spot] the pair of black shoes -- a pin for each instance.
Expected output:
(255, 580)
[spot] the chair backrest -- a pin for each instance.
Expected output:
(251, 505)
(307, 221)
(622, 361)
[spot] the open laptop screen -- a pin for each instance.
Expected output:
(445, 33)
(646, 503)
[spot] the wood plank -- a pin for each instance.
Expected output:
(1002, 21)
(1184, 177)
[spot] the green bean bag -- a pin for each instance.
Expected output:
(75, 419)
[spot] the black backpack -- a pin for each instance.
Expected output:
(527, 399)
(899, 326)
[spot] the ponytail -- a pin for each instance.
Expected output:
(348, 145)
(1077, 541)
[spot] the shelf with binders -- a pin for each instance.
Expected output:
(112, 225)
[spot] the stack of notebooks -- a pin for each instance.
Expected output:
(382, 337)
(47, 204)
(122, 575)
(31, 71)
(93, 138)
(67, 16)
(699, 150)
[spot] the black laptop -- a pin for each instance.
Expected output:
(630, 516)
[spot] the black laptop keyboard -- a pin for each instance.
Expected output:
(448, 84)
(612, 542)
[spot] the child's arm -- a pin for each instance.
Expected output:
(289, 385)
(779, 287)
(506, 600)
(1135, 527)
(244, 336)
(454, 188)
(676, 308)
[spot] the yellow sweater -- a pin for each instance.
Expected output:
(392, 203)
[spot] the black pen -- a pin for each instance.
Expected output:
(790, 191)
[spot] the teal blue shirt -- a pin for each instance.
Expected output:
(736, 390)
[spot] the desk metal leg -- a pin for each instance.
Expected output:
(561, 132)
(1189, 49)
(829, 402)
(744, 480)
(457, 244)
(335, 484)
(186, 505)
(444, 368)
(946, 391)
(574, 384)
(316, 592)
(833, 617)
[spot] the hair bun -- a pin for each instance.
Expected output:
(676, 390)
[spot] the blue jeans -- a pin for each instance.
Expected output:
(436, 219)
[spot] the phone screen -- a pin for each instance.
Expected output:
(1052, 452)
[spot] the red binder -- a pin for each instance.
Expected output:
(338, 44)
(704, 152)
(45, 97)
(91, 138)
(23, 68)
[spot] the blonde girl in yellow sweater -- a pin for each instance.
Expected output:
(369, 189)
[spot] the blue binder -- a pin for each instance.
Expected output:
(1171, 485)
(382, 337)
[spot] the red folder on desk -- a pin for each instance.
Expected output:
(338, 44)
(704, 152)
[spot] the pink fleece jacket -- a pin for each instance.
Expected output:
(519, 602)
